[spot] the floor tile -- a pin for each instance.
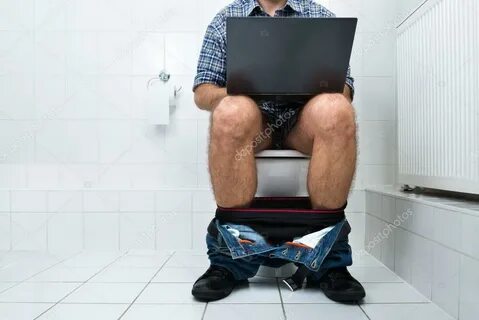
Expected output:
(140, 261)
(15, 275)
(65, 274)
(38, 260)
(22, 311)
(6, 285)
(108, 293)
(20, 271)
(105, 293)
(167, 293)
(92, 259)
(253, 293)
(392, 293)
(244, 311)
(182, 261)
(423, 311)
(179, 274)
(158, 311)
(194, 252)
(149, 252)
(84, 311)
(305, 295)
(38, 292)
(364, 259)
(125, 274)
(331, 311)
(374, 274)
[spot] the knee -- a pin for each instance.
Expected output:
(235, 119)
(332, 117)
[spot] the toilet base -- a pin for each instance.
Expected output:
(285, 271)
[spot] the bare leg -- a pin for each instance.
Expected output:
(236, 124)
(326, 130)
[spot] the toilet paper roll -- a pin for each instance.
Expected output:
(157, 103)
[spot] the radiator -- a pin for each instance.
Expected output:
(438, 96)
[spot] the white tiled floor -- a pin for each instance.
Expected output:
(155, 285)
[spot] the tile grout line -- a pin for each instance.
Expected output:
(80, 285)
(37, 273)
(281, 299)
(204, 312)
(360, 307)
(146, 285)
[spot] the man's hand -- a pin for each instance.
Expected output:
(207, 96)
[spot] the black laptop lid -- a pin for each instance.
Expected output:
(288, 56)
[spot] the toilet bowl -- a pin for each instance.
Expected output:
(281, 173)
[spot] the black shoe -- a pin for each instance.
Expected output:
(339, 285)
(217, 283)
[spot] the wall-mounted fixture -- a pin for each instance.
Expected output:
(160, 96)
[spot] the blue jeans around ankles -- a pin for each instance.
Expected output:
(243, 258)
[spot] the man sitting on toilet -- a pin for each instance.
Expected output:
(323, 128)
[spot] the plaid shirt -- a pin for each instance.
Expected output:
(212, 61)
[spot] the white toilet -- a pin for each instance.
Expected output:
(281, 173)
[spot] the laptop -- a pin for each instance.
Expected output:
(287, 59)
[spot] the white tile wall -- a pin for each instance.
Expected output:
(65, 233)
(469, 280)
(65, 201)
(17, 96)
(173, 231)
(137, 201)
(174, 201)
(137, 231)
(434, 250)
(29, 201)
(5, 232)
(377, 143)
(445, 279)
(356, 237)
(101, 201)
(4, 201)
(29, 231)
(199, 223)
(102, 231)
(470, 235)
(13, 176)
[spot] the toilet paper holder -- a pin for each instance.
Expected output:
(164, 76)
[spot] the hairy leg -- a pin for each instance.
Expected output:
(326, 130)
(235, 136)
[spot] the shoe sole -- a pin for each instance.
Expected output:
(215, 295)
(211, 296)
(345, 297)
